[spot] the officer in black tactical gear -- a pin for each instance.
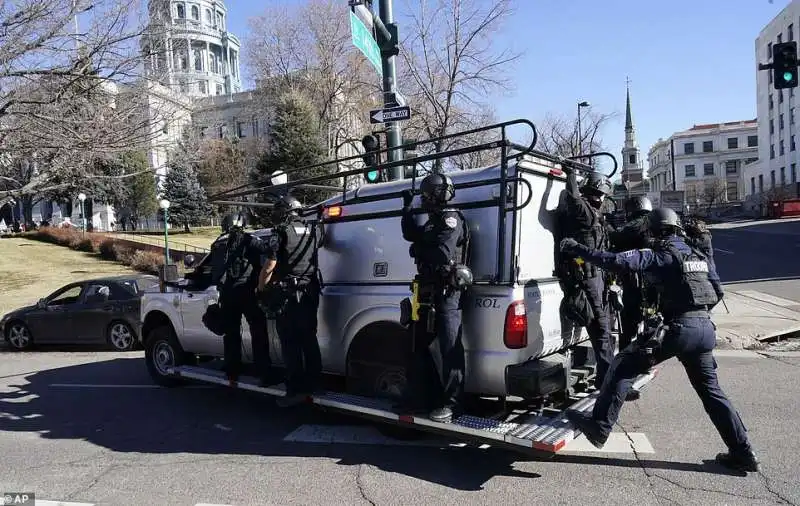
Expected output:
(635, 234)
(294, 281)
(583, 222)
(688, 287)
(242, 264)
(439, 248)
(698, 236)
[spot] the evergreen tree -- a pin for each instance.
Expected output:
(142, 191)
(188, 202)
(294, 141)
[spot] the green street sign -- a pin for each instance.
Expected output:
(365, 42)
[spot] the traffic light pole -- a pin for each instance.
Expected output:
(389, 44)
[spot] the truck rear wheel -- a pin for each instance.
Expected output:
(161, 352)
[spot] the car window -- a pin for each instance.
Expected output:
(124, 290)
(69, 296)
(145, 285)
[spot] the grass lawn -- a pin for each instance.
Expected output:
(30, 270)
(199, 237)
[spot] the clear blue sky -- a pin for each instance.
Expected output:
(689, 62)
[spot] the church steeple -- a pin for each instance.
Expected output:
(632, 168)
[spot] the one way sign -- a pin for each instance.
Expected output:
(392, 114)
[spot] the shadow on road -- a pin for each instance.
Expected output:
(219, 421)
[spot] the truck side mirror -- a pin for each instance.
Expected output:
(189, 261)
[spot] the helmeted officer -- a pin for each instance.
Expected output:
(244, 260)
(635, 234)
(688, 287)
(583, 221)
(698, 236)
(294, 274)
(438, 248)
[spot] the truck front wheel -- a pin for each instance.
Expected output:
(162, 351)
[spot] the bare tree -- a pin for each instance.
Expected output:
(308, 48)
(558, 136)
(69, 96)
(452, 64)
(714, 191)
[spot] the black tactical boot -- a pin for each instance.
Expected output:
(443, 415)
(633, 395)
(588, 427)
(739, 461)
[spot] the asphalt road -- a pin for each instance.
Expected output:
(90, 427)
(764, 256)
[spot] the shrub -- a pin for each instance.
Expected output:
(146, 261)
(108, 249)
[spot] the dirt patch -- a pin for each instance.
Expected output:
(30, 270)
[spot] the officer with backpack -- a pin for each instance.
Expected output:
(688, 288)
(291, 277)
(242, 264)
(439, 248)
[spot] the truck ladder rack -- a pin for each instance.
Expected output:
(537, 434)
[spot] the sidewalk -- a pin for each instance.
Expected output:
(751, 321)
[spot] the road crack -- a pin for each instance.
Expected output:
(768, 486)
(93, 482)
(639, 461)
(360, 485)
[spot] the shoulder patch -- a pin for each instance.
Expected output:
(451, 222)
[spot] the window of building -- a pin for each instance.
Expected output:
(241, 129)
(203, 132)
(780, 38)
(780, 121)
(203, 87)
(198, 59)
(771, 126)
(195, 12)
(732, 191)
(183, 86)
(780, 148)
(730, 167)
(708, 169)
(780, 96)
(791, 143)
(752, 141)
(772, 178)
(752, 185)
(632, 159)
(791, 116)
(794, 173)
(761, 183)
(220, 22)
(708, 146)
(771, 151)
(688, 170)
(783, 176)
(220, 90)
(769, 52)
(733, 142)
(790, 33)
(209, 19)
(181, 11)
(771, 102)
(688, 148)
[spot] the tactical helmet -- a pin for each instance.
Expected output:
(596, 185)
(284, 208)
(460, 277)
(232, 220)
(636, 206)
(663, 220)
(437, 189)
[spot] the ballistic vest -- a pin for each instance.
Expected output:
(691, 289)
(297, 255)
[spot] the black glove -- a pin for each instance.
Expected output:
(568, 245)
(408, 197)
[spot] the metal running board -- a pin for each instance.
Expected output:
(539, 433)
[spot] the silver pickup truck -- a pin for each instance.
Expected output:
(515, 340)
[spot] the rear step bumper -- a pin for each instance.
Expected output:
(536, 434)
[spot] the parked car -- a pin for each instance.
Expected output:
(95, 311)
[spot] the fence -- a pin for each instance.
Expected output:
(177, 250)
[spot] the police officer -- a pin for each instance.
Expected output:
(438, 248)
(293, 270)
(698, 236)
(583, 222)
(688, 287)
(241, 265)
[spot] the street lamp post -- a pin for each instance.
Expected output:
(164, 204)
(581, 105)
(81, 198)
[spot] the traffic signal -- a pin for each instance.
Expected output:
(784, 65)
(371, 159)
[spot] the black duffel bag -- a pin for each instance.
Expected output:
(213, 319)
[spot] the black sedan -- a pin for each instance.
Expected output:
(95, 311)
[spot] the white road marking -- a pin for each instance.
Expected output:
(210, 504)
(92, 385)
(617, 442)
(765, 297)
(368, 435)
(723, 251)
(737, 354)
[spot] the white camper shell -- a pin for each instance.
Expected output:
(517, 345)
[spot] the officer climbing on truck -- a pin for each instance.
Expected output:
(688, 288)
(584, 283)
(293, 296)
(439, 248)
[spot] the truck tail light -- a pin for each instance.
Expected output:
(515, 331)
